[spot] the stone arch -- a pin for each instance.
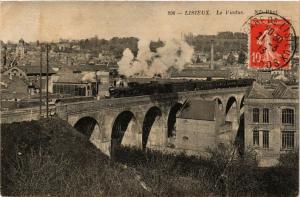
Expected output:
(119, 127)
(151, 117)
(231, 113)
(219, 103)
(87, 125)
(231, 102)
(242, 102)
(172, 118)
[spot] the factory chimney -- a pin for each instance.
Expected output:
(212, 55)
(5, 56)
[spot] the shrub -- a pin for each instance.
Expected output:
(283, 179)
(233, 174)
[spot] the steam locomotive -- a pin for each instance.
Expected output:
(157, 87)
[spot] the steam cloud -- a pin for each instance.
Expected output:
(88, 76)
(175, 54)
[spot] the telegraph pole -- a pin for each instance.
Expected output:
(212, 55)
(47, 78)
(41, 67)
(96, 83)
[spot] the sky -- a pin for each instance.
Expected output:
(49, 21)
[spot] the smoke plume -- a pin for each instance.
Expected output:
(88, 76)
(175, 54)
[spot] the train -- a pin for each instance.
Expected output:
(160, 87)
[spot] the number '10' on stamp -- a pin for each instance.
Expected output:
(270, 43)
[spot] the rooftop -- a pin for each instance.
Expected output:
(36, 70)
(202, 73)
(280, 91)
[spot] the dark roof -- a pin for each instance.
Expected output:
(36, 70)
(29, 70)
(258, 91)
(82, 68)
(69, 78)
(202, 73)
(283, 91)
(280, 91)
(198, 110)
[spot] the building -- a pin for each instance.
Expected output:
(201, 74)
(195, 131)
(31, 75)
(15, 71)
(85, 80)
(20, 49)
(203, 126)
(74, 88)
(271, 122)
(13, 89)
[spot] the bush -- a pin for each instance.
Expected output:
(233, 174)
(223, 172)
(49, 157)
(283, 179)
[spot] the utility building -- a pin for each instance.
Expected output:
(272, 122)
(196, 127)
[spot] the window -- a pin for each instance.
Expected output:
(255, 138)
(265, 115)
(287, 139)
(255, 115)
(288, 116)
(265, 139)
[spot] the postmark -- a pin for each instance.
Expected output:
(271, 41)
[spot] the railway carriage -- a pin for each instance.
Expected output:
(156, 87)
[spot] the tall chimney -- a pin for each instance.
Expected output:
(212, 55)
(5, 56)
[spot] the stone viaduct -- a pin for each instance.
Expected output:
(147, 121)
(142, 121)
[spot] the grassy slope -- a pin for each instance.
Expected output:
(50, 157)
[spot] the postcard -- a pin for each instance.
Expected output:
(149, 98)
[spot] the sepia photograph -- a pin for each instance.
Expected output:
(140, 98)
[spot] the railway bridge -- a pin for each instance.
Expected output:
(144, 121)
(148, 121)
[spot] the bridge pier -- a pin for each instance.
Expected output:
(143, 122)
(158, 134)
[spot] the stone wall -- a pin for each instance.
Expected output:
(195, 135)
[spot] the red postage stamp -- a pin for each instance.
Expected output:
(269, 43)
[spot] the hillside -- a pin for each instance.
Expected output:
(49, 157)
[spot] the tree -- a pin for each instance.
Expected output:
(154, 45)
(225, 35)
(230, 58)
(242, 57)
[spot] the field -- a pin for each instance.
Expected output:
(49, 157)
